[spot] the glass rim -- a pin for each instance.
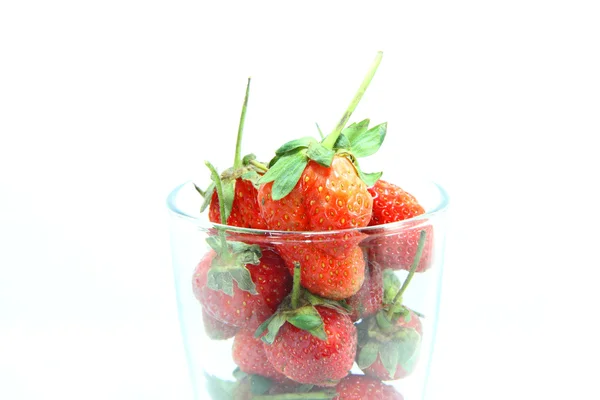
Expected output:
(439, 208)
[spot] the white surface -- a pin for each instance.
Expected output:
(105, 106)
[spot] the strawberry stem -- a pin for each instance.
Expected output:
(330, 140)
(237, 162)
(259, 165)
(413, 267)
(296, 289)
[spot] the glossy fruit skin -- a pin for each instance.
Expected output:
(217, 330)
(377, 370)
(324, 199)
(361, 387)
(244, 212)
(323, 275)
(273, 282)
(369, 299)
(249, 354)
(392, 204)
(307, 359)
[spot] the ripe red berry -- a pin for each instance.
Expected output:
(244, 309)
(249, 354)
(306, 359)
(244, 211)
(361, 387)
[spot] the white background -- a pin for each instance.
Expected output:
(107, 105)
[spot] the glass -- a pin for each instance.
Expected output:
(388, 253)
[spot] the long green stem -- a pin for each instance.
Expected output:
(237, 162)
(413, 267)
(330, 140)
(219, 188)
(296, 289)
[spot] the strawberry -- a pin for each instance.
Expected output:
(244, 210)
(323, 275)
(397, 250)
(237, 200)
(319, 187)
(361, 387)
(396, 350)
(249, 355)
(310, 340)
(389, 341)
(369, 299)
(215, 329)
(259, 287)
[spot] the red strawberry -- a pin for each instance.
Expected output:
(249, 354)
(391, 204)
(244, 211)
(238, 202)
(269, 283)
(397, 248)
(310, 360)
(369, 299)
(310, 340)
(215, 329)
(324, 275)
(361, 387)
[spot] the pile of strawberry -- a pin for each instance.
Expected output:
(302, 309)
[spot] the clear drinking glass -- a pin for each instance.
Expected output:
(388, 251)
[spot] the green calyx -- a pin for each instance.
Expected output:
(354, 141)
(298, 309)
(230, 265)
(399, 347)
(384, 335)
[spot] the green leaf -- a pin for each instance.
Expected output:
(244, 280)
(273, 327)
(221, 277)
(367, 354)
(389, 357)
(391, 285)
(245, 253)
(251, 175)
(320, 154)
(285, 183)
(282, 166)
(295, 144)
(263, 327)
(219, 280)
(408, 348)
(369, 178)
(228, 196)
(207, 196)
(305, 318)
(355, 130)
(340, 306)
(259, 384)
(215, 243)
(238, 374)
(220, 389)
(369, 142)
(342, 142)
(318, 332)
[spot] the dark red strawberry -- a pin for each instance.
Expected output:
(215, 329)
(361, 387)
(265, 285)
(389, 342)
(249, 355)
(310, 340)
(396, 247)
(369, 299)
